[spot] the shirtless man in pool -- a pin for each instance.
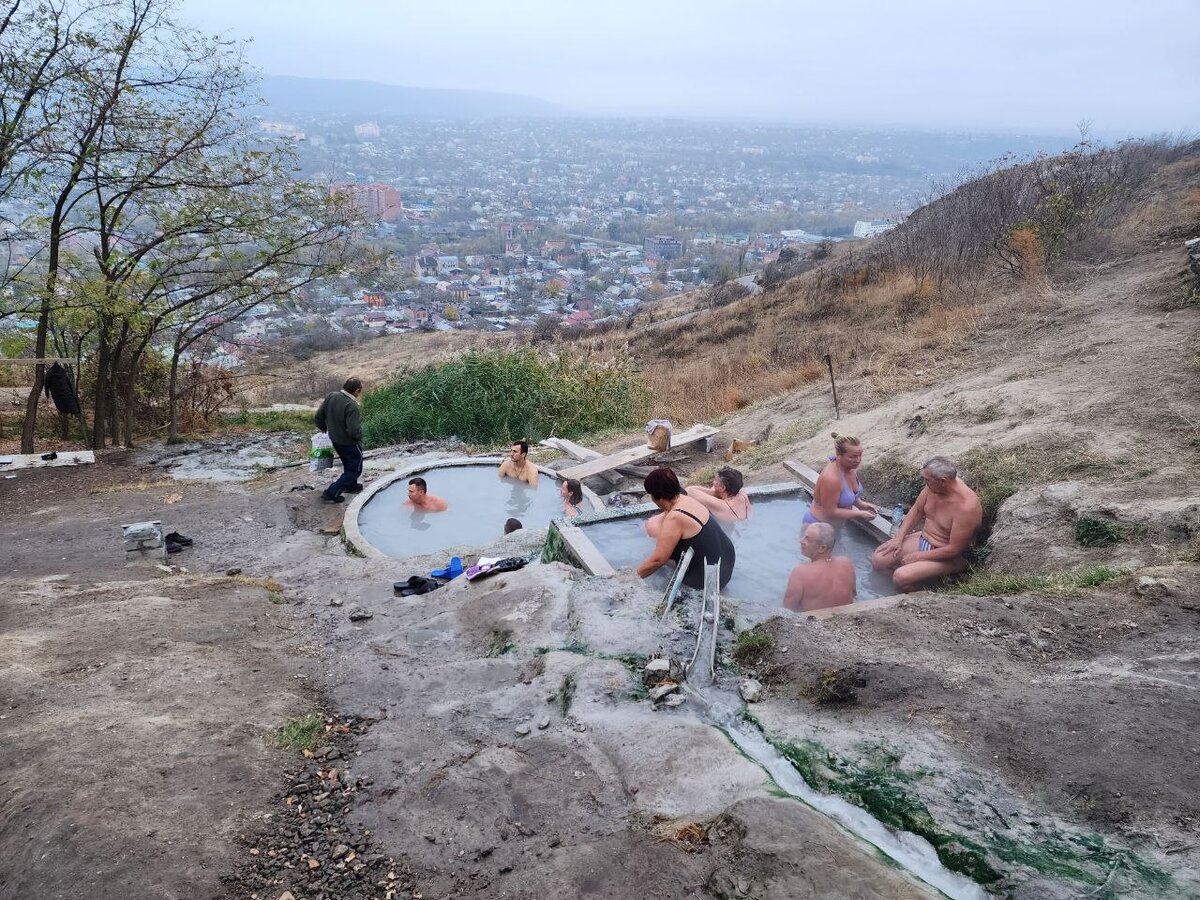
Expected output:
(949, 513)
(826, 580)
(420, 498)
(518, 465)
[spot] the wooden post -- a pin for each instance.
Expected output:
(833, 384)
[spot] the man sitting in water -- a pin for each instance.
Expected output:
(518, 465)
(949, 514)
(827, 580)
(724, 499)
(420, 498)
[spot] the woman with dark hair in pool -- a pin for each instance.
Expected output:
(571, 492)
(686, 522)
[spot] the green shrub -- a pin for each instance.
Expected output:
(1099, 531)
(496, 396)
(753, 646)
(997, 584)
(299, 734)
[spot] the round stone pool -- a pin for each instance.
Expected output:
(480, 502)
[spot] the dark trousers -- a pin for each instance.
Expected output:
(352, 466)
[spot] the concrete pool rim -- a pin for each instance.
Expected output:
(351, 533)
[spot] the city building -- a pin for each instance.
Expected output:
(368, 131)
(873, 227)
(662, 246)
(376, 200)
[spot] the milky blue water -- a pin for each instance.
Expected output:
(480, 502)
(768, 548)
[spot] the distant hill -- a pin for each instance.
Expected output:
(287, 93)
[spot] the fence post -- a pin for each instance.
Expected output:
(833, 384)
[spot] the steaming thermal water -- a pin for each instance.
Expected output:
(768, 548)
(912, 852)
(480, 502)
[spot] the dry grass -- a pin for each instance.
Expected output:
(267, 584)
(137, 486)
(690, 837)
(896, 332)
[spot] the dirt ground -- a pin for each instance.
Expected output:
(136, 703)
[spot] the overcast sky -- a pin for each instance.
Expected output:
(1128, 67)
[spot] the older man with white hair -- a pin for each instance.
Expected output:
(949, 515)
(827, 580)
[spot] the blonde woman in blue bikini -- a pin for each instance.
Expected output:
(837, 496)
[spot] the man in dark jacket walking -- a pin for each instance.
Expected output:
(339, 416)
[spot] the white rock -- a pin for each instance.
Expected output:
(522, 729)
(667, 687)
(544, 722)
(751, 690)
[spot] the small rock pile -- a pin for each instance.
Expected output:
(1193, 253)
(662, 677)
(306, 849)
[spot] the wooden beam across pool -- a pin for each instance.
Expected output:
(634, 454)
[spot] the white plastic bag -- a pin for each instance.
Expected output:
(321, 455)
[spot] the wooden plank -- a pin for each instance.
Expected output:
(35, 461)
(581, 453)
(879, 527)
(634, 454)
(48, 360)
(582, 550)
(584, 454)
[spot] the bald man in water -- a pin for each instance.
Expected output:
(827, 580)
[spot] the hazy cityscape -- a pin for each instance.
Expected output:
(499, 224)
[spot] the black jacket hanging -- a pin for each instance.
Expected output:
(59, 387)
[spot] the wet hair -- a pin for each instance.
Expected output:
(512, 525)
(663, 484)
(574, 490)
(731, 478)
(940, 467)
(843, 442)
(352, 385)
(524, 445)
(419, 482)
(823, 533)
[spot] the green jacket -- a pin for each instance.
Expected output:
(339, 415)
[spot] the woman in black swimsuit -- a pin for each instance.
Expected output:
(685, 523)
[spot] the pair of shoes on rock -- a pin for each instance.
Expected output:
(329, 499)
(177, 542)
(53, 454)
(415, 585)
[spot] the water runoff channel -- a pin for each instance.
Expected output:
(723, 710)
